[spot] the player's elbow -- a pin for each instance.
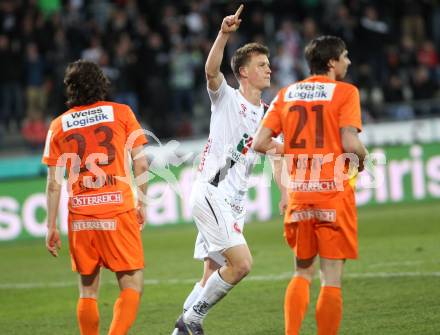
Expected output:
(263, 144)
(53, 186)
(258, 145)
(350, 142)
(354, 146)
(210, 74)
(349, 147)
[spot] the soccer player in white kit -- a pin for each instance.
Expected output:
(217, 198)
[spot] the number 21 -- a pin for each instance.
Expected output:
(303, 115)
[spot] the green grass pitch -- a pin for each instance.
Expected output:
(394, 288)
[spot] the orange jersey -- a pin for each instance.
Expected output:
(310, 114)
(91, 142)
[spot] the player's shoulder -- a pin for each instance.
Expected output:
(57, 119)
(56, 123)
(121, 111)
(345, 87)
(96, 107)
(281, 94)
(223, 89)
(114, 104)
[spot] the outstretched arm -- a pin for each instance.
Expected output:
(229, 25)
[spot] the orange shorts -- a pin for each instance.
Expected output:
(113, 243)
(327, 229)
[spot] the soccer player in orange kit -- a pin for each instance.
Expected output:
(320, 119)
(93, 140)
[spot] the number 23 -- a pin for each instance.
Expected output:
(106, 143)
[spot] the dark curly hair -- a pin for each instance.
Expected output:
(321, 50)
(85, 83)
(243, 55)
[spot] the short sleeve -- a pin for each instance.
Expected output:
(134, 130)
(52, 148)
(272, 119)
(220, 94)
(350, 110)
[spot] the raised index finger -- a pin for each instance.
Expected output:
(238, 12)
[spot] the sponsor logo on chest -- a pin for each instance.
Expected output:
(88, 117)
(238, 154)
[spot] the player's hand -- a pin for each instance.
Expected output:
(53, 242)
(282, 205)
(232, 22)
(141, 215)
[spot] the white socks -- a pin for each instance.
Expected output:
(215, 289)
(192, 297)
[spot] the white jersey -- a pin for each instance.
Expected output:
(227, 158)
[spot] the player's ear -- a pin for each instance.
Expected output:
(331, 64)
(243, 71)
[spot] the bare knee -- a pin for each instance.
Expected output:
(305, 268)
(89, 285)
(131, 279)
(242, 268)
(329, 279)
(331, 272)
(140, 289)
(88, 292)
(239, 264)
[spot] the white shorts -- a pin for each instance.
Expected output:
(220, 226)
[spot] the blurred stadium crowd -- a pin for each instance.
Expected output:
(154, 52)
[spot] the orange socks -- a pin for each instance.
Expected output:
(329, 310)
(124, 311)
(88, 316)
(295, 304)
